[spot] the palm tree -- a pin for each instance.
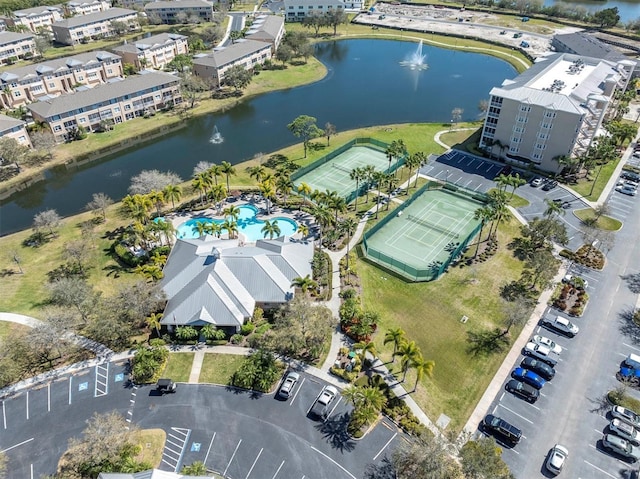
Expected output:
(218, 194)
(503, 181)
(209, 331)
(305, 190)
(422, 367)
(232, 212)
(366, 347)
(199, 184)
(231, 227)
(215, 171)
(268, 192)
(498, 202)
(408, 352)
(423, 161)
(256, 172)
(270, 229)
(186, 333)
(153, 322)
(166, 228)
(391, 151)
(227, 169)
(484, 214)
(356, 175)
(368, 174)
(348, 225)
(215, 229)
(157, 198)
(138, 206)
(395, 336)
(323, 217)
(553, 208)
(378, 180)
(304, 284)
(391, 181)
(207, 177)
(201, 228)
(303, 230)
(338, 204)
(412, 162)
(172, 193)
(516, 182)
(284, 185)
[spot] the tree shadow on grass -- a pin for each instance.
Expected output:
(627, 326)
(486, 342)
(335, 432)
(633, 282)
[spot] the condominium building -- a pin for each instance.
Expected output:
(117, 102)
(85, 7)
(553, 109)
(154, 52)
(13, 128)
(297, 10)
(83, 28)
(36, 18)
(61, 76)
(247, 53)
(172, 11)
(16, 46)
(267, 28)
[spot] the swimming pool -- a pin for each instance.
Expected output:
(248, 224)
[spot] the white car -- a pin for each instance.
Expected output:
(562, 325)
(625, 431)
(288, 385)
(626, 415)
(543, 353)
(556, 459)
(544, 341)
(537, 181)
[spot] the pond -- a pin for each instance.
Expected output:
(365, 86)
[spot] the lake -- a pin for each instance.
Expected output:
(628, 10)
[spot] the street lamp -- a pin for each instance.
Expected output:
(447, 179)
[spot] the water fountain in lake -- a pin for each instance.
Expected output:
(417, 60)
(216, 138)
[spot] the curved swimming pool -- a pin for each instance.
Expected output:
(248, 224)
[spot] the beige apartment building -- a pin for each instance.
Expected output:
(171, 11)
(114, 102)
(154, 52)
(86, 7)
(553, 109)
(14, 128)
(53, 78)
(297, 10)
(267, 28)
(16, 46)
(247, 53)
(83, 28)
(36, 18)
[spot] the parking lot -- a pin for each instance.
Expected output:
(237, 433)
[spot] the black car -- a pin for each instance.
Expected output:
(549, 185)
(630, 175)
(502, 428)
(166, 386)
(541, 369)
(529, 393)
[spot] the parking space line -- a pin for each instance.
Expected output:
(323, 454)
(385, 446)
(17, 445)
(297, 392)
(632, 347)
(479, 165)
(209, 450)
(180, 435)
(4, 415)
(282, 464)
(513, 412)
(27, 400)
(609, 455)
(254, 463)
(535, 407)
(621, 354)
(232, 456)
(101, 380)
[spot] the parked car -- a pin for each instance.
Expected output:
(320, 407)
(540, 352)
(542, 369)
(620, 446)
(552, 345)
(528, 377)
(625, 431)
(556, 459)
(288, 385)
(502, 428)
(627, 190)
(537, 181)
(630, 175)
(519, 388)
(549, 185)
(165, 386)
(626, 415)
(630, 375)
(562, 325)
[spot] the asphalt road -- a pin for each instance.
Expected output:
(240, 434)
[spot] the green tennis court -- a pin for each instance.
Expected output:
(425, 234)
(334, 175)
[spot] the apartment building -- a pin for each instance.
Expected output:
(117, 102)
(553, 109)
(61, 76)
(154, 52)
(297, 10)
(247, 53)
(16, 46)
(268, 29)
(35, 19)
(172, 11)
(84, 28)
(86, 7)
(14, 128)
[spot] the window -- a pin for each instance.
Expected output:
(540, 146)
(17, 94)
(514, 149)
(525, 108)
(515, 139)
(543, 136)
(52, 85)
(57, 128)
(21, 139)
(521, 119)
(489, 131)
(517, 129)
(82, 121)
(116, 109)
(109, 71)
(127, 107)
(545, 125)
(495, 111)
(80, 78)
(537, 156)
(549, 114)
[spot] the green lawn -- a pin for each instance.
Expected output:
(604, 222)
(218, 368)
(590, 191)
(430, 315)
(179, 367)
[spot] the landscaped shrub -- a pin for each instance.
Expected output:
(350, 376)
(259, 371)
(126, 256)
(148, 361)
(247, 329)
(236, 338)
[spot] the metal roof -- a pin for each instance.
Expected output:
(88, 19)
(232, 53)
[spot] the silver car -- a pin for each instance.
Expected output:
(556, 459)
(620, 446)
(625, 431)
(626, 415)
(288, 385)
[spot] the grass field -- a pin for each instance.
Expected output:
(218, 368)
(430, 315)
(587, 188)
(178, 367)
(151, 442)
(604, 222)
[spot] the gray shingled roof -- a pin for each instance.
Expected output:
(177, 4)
(589, 46)
(231, 54)
(37, 10)
(215, 281)
(10, 37)
(37, 69)
(100, 93)
(269, 28)
(149, 42)
(111, 14)
(7, 122)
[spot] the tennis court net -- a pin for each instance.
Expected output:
(342, 168)
(422, 222)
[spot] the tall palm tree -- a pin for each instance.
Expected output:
(157, 198)
(201, 228)
(503, 181)
(232, 212)
(348, 225)
(391, 181)
(304, 284)
(553, 208)
(216, 170)
(172, 193)
(303, 230)
(378, 180)
(268, 192)
(305, 190)
(215, 229)
(368, 174)
(422, 367)
(516, 182)
(231, 227)
(207, 177)
(257, 172)
(227, 169)
(338, 204)
(391, 151)
(408, 352)
(199, 184)
(413, 161)
(139, 206)
(483, 214)
(166, 228)
(270, 229)
(366, 347)
(395, 336)
(153, 322)
(218, 194)
(323, 217)
(424, 159)
(284, 185)
(356, 175)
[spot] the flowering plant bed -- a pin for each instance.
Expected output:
(570, 299)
